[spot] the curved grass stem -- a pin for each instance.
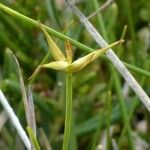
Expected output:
(81, 46)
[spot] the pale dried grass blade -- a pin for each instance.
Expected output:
(31, 110)
(15, 121)
(22, 86)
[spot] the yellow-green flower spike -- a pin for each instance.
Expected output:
(83, 61)
(65, 63)
(80, 63)
(56, 52)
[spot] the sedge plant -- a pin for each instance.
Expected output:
(65, 63)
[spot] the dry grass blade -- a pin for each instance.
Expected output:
(104, 6)
(112, 56)
(114, 145)
(28, 101)
(22, 87)
(31, 110)
(15, 121)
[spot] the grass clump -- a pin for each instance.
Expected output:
(104, 111)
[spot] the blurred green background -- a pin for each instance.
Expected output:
(97, 119)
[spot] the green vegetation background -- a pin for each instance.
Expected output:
(93, 111)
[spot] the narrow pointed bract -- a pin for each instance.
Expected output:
(35, 73)
(56, 52)
(57, 65)
(99, 52)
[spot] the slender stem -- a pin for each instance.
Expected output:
(34, 23)
(68, 115)
(81, 46)
(128, 12)
(100, 20)
(123, 109)
(52, 12)
(137, 69)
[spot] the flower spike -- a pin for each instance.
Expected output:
(83, 61)
(65, 63)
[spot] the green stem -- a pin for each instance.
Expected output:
(137, 69)
(100, 20)
(124, 111)
(63, 37)
(68, 115)
(131, 112)
(35, 24)
(52, 12)
(128, 12)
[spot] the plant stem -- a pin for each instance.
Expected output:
(100, 20)
(128, 12)
(68, 115)
(81, 46)
(123, 109)
(34, 23)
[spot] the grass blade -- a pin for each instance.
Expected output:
(15, 121)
